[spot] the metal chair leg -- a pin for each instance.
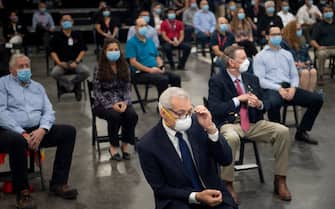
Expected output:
(258, 161)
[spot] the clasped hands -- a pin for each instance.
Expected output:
(34, 138)
(287, 93)
(120, 106)
(210, 197)
(250, 99)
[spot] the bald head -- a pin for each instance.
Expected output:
(222, 20)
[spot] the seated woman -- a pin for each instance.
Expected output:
(106, 28)
(111, 88)
(294, 41)
(14, 31)
(242, 30)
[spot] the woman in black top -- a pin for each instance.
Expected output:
(112, 88)
(106, 27)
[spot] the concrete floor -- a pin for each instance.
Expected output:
(109, 185)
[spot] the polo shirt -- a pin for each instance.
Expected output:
(172, 28)
(323, 33)
(144, 52)
(222, 40)
(65, 48)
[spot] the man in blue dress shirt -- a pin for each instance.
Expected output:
(278, 76)
(27, 121)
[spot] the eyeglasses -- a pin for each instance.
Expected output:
(275, 34)
(182, 115)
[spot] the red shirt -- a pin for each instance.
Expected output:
(172, 28)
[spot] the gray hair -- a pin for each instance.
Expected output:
(229, 53)
(269, 3)
(166, 96)
(14, 57)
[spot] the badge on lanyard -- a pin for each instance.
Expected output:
(255, 19)
(70, 42)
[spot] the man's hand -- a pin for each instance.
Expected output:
(290, 93)
(253, 101)
(73, 65)
(118, 107)
(27, 137)
(36, 138)
(209, 197)
(123, 106)
(283, 93)
(243, 97)
(156, 70)
(205, 119)
(64, 65)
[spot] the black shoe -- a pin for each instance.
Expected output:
(304, 137)
(78, 92)
(25, 201)
(64, 191)
(116, 157)
(125, 155)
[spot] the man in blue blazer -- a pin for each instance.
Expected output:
(235, 100)
(179, 156)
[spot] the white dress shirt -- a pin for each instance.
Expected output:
(307, 16)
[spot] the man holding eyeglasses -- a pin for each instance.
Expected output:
(278, 76)
(235, 100)
(179, 156)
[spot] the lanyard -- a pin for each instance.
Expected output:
(221, 44)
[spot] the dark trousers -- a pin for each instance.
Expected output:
(126, 120)
(185, 48)
(60, 136)
(202, 39)
(160, 80)
(181, 205)
(312, 101)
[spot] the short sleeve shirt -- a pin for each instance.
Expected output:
(172, 28)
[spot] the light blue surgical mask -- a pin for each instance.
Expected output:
(194, 5)
(205, 7)
(270, 10)
(24, 75)
(276, 40)
(241, 16)
(143, 31)
(146, 18)
(323, 2)
(223, 27)
(113, 55)
(285, 8)
(106, 13)
(328, 15)
(43, 9)
(158, 11)
(310, 2)
(172, 16)
(299, 32)
(252, 2)
(66, 24)
(232, 8)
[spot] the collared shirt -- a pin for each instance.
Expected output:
(307, 16)
(44, 19)
(24, 106)
(204, 21)
(273, 67)
(286, 17)
(145, 52)
(174, 140)
(152, 34)
(172, 29)
(188, 15)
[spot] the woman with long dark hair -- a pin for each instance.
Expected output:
(112, 88)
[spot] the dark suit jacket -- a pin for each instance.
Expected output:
(220, 94)
(163, 167)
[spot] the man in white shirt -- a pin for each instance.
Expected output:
(284, 14)
(307, 15)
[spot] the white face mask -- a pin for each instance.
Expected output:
(183, 124)
(244, 66)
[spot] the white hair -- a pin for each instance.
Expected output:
(269, 3)
(14, 57)
(166, 96)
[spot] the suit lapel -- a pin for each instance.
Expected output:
(195, 146)
(229, 83)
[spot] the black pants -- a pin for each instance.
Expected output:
(181, 205)
(160, 80)
(312, 101)
(61, 136)
(184, 47)
(126, 120)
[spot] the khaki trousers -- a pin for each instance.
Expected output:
(322, 55)
(262, 131)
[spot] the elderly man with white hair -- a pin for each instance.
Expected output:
(27, 122)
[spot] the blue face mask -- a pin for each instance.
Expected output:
(223, 27)
(67, 24)
(158, 11)
(232, 8)
(275, 40)
(323, 2)
(252, 2)
(106, 13)
(24, 75)
(143, 31)
(310, 2)
(205, 7)
(270, 10)
(43, 9)
(285, 8)
(172, 16)
(299, 33)
(328, 15)
(146, 18)
(194, 5)
(241, 16)
(113, 55)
